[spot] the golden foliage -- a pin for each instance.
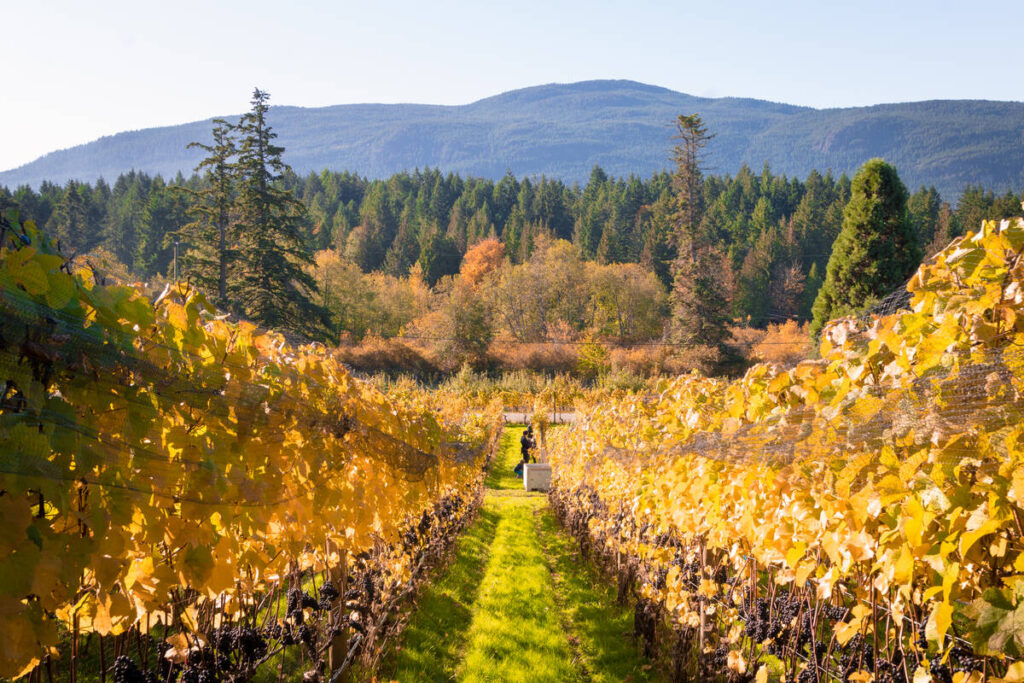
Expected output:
(149, 446)
(888, 471)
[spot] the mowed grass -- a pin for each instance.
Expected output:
(516, 632)
(599, 628)
(501, 475)
(432, 643)
(517, 603)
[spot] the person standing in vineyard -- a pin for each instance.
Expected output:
(526, 444)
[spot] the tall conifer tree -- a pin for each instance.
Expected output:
(699, 307)
(273, 289)
(876, 250)
(211, 240)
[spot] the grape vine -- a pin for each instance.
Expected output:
(857, 516)
(168, 472)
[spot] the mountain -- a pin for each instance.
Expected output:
(563, 130)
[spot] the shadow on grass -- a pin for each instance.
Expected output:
(431, 646)
(599, 628)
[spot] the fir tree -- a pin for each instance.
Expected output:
(923, 211)
(163, 217)
(439, 257)
(699, 307)
(76, 219)
(124, 218)
(211, 251)
(876, 250)
(404, 251)
(272, 287)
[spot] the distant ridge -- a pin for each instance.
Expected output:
(563, 130)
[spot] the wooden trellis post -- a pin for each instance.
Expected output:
(338, 574)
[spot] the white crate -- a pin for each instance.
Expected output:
(537, 476)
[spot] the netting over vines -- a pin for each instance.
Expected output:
(858, 512)
(156, 459)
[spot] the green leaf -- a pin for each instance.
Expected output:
(999, 625)
(35, 536)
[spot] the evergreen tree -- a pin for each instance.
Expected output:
(699, 307)
(688, 180)
(811, 288)
(211, 244)
(125, 216)
(659, 245)
(923, 212)
(76, 220)
(876, 250)
(404, 251)
(7, 202)
(439, 257)
(165, 213)
(271, 286)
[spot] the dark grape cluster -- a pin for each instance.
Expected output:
(233, 652)
(125, 671)
(298, 600)
(768, 620)
(247, 644)
(892, 672)
(328, 594)
(940, 672)
(785, 625)
(198, 674)
(424, 526)
(963, 659)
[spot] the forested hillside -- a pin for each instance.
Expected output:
(385, 243)
(562, 131)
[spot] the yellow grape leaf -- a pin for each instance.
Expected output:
(190, 617)
(101, 620)
(949, 578)
(736, 662)
(969, 538)
(969, 677)
(903, 569)
(179, 650)
(846, 632)
(938, 622)
(796, 553)
(802, 572)
(46, 577)
(913, 521)
(1014, 674)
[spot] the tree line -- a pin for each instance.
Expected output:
(251, 233)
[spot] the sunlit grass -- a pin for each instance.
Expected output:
(601, 629)
(517, 603)
(516, 632)
(501, 475)
(431, 645)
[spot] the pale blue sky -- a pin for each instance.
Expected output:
(73, 70)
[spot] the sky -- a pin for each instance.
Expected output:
(73, 71)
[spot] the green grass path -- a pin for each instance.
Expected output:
(517, 603)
